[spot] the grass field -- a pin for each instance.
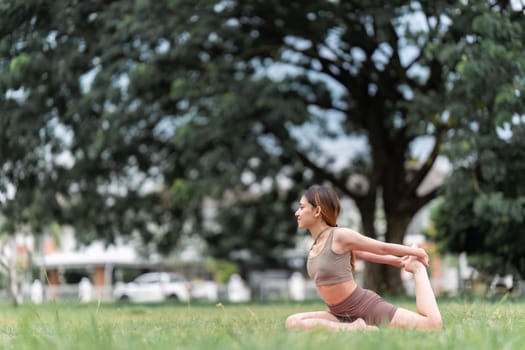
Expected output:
(467, 325)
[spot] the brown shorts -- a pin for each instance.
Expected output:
(365, 304)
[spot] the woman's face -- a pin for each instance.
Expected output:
(305, 214)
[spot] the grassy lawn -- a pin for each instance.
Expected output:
(467, 325)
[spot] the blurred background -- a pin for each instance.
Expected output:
(158, 149)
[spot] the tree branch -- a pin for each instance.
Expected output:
(427, 198)
(307, 162)
(427, 165)
(336, 181)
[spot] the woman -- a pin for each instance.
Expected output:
(331, 265)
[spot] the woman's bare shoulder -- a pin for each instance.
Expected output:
(344, 237)
(344, 232)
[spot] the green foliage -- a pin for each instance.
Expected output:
(123, 118)
(483, 206)
(221, 269)
(484, 199)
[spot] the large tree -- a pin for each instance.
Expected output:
(391, 73)
(122, 117)
(114, 121)
(482, 210)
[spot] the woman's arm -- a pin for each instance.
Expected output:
(347, 239)
(379, 259)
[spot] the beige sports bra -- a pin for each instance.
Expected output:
(328, 267)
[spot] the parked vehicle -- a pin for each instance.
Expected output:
(204, 290)
(154, 287)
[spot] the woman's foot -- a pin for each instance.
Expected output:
(413, 265)
(359, 324)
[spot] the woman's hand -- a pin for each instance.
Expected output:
(413, 264)
(405, 260)
(422, 256)
(400, 261)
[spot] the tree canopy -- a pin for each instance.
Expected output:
(482, 208)
(482, 211)
(125, 117)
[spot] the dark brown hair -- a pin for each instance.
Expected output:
(328, 200)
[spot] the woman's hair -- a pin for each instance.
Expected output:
(327, 200)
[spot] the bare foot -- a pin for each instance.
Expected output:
(413, 264)
(360, 324)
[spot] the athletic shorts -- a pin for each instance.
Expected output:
(365, 304)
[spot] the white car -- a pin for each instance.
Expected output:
(205, 290)
(154, 287)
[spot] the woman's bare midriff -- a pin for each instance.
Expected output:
(335, 293)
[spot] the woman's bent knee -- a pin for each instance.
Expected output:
(431, 322)
(435, 322)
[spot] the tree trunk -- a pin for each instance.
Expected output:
(377, 277)
(385, 279)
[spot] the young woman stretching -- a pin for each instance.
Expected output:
(331, 264)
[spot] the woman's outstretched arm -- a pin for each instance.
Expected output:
(392, 260)
(348, 239)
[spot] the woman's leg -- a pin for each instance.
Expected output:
(428, 315)
(323, 319)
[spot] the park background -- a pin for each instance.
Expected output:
(179, 135)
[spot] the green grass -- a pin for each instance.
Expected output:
(467, 325)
